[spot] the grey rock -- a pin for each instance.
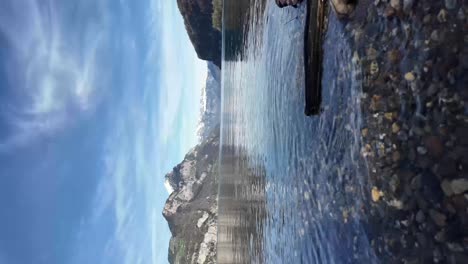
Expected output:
(446, 187)
(416, 182)
(440, 236)
(461, 14)
(459, 186)
(420, 217)
(422, 150)
(450, 4)
(407, 5)
(454, 247)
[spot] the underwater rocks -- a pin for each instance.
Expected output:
(415, 129)
(343, 8)
(284, 3)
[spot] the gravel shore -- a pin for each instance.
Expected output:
(413, 57)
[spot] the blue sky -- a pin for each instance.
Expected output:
(98, 100)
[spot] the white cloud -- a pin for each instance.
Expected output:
(55, 77)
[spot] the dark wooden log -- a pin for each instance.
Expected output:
(313, 53)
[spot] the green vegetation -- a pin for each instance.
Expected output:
(180, 252)
(218, 14)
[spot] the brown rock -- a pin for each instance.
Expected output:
(389, 12)
(343, 8)
(394, 56)
(434, 146)
(396, 4)
(364, 132)
(438, 218)
(395, 128)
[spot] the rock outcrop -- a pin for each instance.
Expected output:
(198, 21)
(191, 209)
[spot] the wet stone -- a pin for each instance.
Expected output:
(408, 5)
(440, 236)
(396, 4)
(459, 186)
(420, 217)
(389, 12)
(421, 150)
(409, 76)
(438, 218)
(395, 128)
(446, 188)
(442, 16)
(394, 56)
(454, 247)
(435, 36)
(416, 182)
(434, 146)
(450, 4)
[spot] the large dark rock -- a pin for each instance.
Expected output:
(198, 21)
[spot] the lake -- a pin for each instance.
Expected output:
(292, 187)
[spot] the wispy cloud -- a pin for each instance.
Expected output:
(52, 77)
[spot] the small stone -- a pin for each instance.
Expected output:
(396, 156)
(396, 203)
(394, 183)
(389, 116)
(438, 218)
(435, 36)
(421, 150)
(371, 53)
(437, 255)
(461, 14)
(345, 216)
(376, 194)
(396, 4)
(416, 182)
(459, 186)
(403, 136)
(420, 217)
(450, 4)
(409, 76)
(374, 68)
(355, 58)
(407, 5)
(389, 12)
(343, 8)
(394, 56)
(364, 132)
(427, 19)
(446, 188)
(442, 16)
(440, 236)
(454, 247)
(434, 146)
(395, 128)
